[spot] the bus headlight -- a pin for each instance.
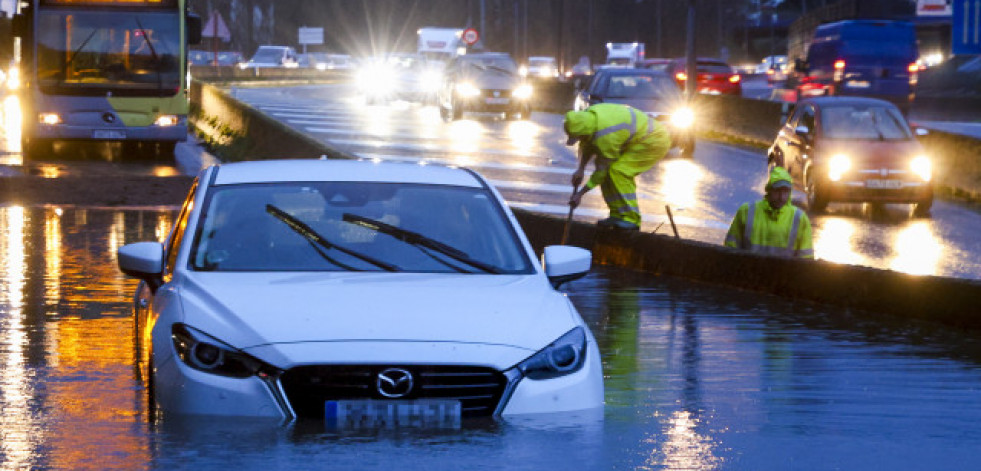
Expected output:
(922, 167)
(467, 89)
(839, 164)
(49, 118)
(165, 120)
(683, 118)
(523, 92)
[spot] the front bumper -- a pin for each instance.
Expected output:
(174, 133)
(489, 103)
(183, 390)
(880, 191)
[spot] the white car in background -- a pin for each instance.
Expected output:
(358, 293)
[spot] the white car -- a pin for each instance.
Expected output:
(357, 293)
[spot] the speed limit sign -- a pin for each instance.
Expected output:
(470, 36)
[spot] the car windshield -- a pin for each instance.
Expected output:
(863, 122)
(641, 86)
(498, 64)
(89, 53)
(343, 226)
(541, 63)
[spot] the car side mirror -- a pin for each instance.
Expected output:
(564, 263)
(143, 260)
(193, 28)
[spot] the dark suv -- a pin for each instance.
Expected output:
(484, 82)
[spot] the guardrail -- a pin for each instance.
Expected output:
(946, 300)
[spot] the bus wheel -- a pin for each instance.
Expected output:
(165, 149)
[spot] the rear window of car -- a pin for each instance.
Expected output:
(714, 68)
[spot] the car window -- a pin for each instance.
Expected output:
(807, 119)
(863, 122)
(177, 234)
(641, 86)
(713, 68)
(240, 231)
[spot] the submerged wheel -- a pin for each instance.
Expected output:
(922, 208)
(457, 112)
(688, 147)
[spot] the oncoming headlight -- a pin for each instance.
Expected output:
(523, 92)
(683, 118)
(204, 353)
(564, 356)
(922, 167)
(839, 164)
(467, 89)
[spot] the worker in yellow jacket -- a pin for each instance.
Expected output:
(625, 143)
(772, 226)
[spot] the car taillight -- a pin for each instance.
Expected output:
(681, 76)
(839, 70)
(913, 68)
(734, 78)
(839, 64)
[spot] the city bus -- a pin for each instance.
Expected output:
(104, 70)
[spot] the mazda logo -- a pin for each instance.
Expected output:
(394, 382)
(109, 117)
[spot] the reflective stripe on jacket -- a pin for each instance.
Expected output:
(759, 228)
(614, 129)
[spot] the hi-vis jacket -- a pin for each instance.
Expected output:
(759, 228)
(621, 134)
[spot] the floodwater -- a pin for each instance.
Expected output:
(697, 378)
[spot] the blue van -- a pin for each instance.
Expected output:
(871, 58)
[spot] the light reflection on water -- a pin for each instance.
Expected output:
(697, 378)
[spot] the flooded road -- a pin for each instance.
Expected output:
(697, 378)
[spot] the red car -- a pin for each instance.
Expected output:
(715, 77)
(853, 149)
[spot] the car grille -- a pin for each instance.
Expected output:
(478, 389)
(501, 93)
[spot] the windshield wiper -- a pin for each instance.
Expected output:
(419, 240)
(80, 47)
(311, 235)
(500, 69)
(153, 52)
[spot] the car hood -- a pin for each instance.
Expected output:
(253, 309)
(873, 153)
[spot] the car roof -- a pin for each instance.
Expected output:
(630, 71)
(846, 100)
(307, 170)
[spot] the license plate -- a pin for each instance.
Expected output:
(373, 414)
(498, 101)
(858, 84)
(884, 184)
(108, 135)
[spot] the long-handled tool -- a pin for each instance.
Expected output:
(568, 219)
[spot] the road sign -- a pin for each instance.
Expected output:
(470, 36)
(216, 28)
(311, 36)
(966, 28)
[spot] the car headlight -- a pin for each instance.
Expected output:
(376, 79)
(432, 79)
(839, 164)
(467, 89)
(49, 118)
(522, 92)
(922, 167)
(683, 118)
(205, 353)
(563, 356)
(166, 120)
